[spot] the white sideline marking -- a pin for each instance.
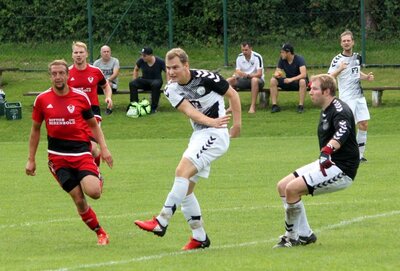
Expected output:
(134, 215)
(228, 246)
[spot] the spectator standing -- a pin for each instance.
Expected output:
(67, 113)
(249, 73)
(335, 169)
(109, 65)
(346, 67)
(151, 67)
(291, 75)
(199, 94)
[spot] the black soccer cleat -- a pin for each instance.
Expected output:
(307, 240)
(363, 160)
(287, 242)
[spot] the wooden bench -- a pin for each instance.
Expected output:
(377, 93)
(265, 94)
(2, 69)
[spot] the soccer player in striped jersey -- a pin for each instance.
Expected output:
(346, 67)
(199, 94)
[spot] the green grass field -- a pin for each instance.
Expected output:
(356, 228)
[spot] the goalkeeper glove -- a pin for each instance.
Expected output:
(325, 158)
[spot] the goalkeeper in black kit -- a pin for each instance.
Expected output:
(335, 169)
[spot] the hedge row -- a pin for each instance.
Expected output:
(194, 22)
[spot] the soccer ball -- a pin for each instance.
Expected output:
(133, 110)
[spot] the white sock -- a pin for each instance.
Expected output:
(285, 208)
(362, 141)
(174, 199)
(292, 218)
(304, 227)
(191, 211)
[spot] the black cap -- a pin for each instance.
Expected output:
(146, 51)
(287, 48)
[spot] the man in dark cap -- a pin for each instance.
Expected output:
(291, 75)
(151, 78)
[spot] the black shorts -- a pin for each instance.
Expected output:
(70, 178)
(294, 86)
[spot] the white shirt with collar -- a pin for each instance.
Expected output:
(252, 65)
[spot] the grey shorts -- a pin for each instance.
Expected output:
(245, 83)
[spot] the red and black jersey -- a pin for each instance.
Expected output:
(87, 80)
(65, 118)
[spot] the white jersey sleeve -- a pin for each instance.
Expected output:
(172, 95)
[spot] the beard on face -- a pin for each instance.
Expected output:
(59, 88)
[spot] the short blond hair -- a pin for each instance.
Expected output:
(345, 33)
(327, 82)
(178, 52)
(58, 62)
(79, 44)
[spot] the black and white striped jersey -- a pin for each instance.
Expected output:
(204, 91)
(349, 79)
(337, 122)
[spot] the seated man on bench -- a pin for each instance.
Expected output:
(249, 73)
(291, 75)
(151, 78)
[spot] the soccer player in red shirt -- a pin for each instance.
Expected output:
(68, 114)
(87, 78)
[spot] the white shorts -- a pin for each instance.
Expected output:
(318, 183)
(205, 146)
(359, 108)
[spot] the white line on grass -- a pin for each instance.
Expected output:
(227, 246)
(135, 215)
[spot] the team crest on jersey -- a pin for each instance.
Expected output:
(71, 108)
(325, 125)
(90, 79)
(201, 90)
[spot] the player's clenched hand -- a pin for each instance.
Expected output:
(325, 158)
(221, 122)
(106, 156)
(30, 168)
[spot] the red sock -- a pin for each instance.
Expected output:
(90, 219)
(101, 231)
(97, 160)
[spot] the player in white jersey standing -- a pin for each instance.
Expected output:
(199, 94)
(346, 67)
